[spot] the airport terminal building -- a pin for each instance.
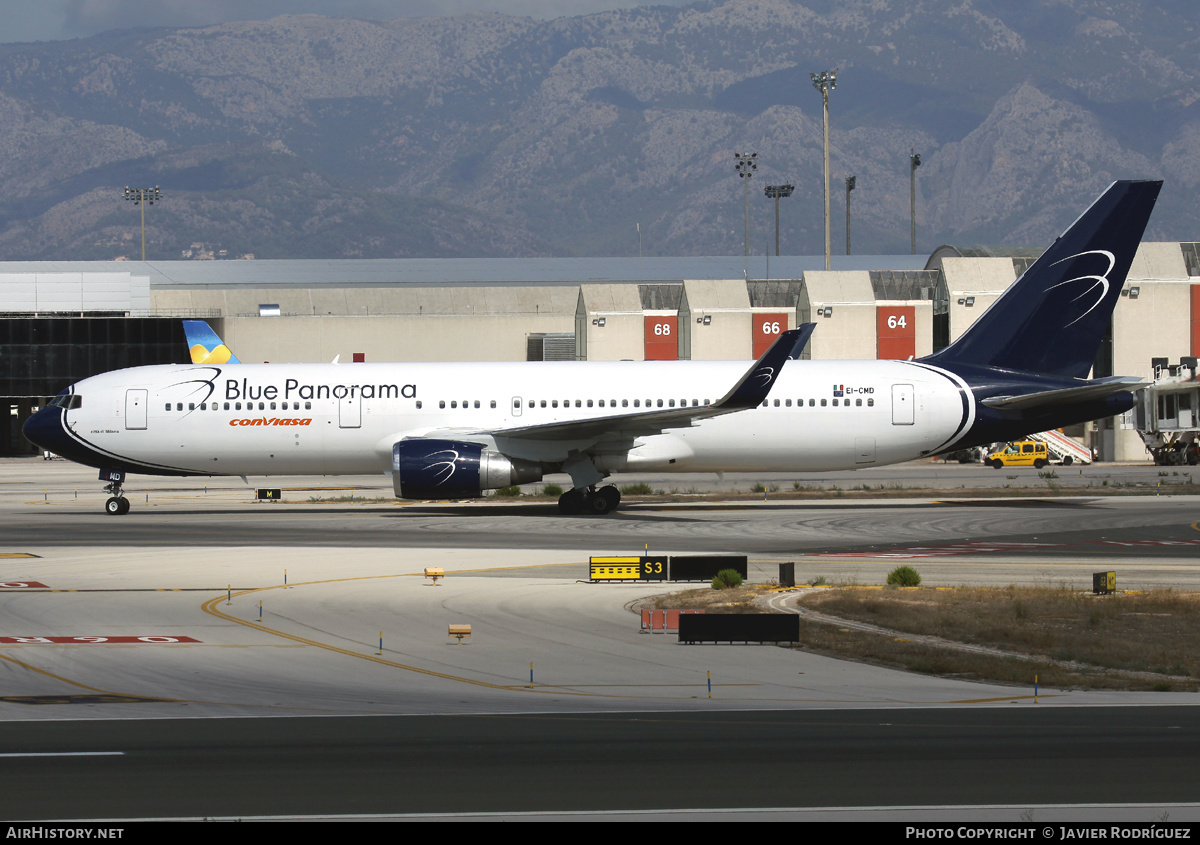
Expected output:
(64, 321)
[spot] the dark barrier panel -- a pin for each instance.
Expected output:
(787, 574)
(739, 627)
(705, 567)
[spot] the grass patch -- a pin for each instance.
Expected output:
(1069, 639)
(1144, 641)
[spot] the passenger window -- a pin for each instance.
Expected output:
(870, 403)
(441, 403)
(476, 403)
(418, 404)
(624, 403)
(308, 406)
(824, 402)
(553, 403)
(589, 403)
(168, 406)
(493, 404)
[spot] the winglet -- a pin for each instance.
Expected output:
(754, 386)
(204, 345)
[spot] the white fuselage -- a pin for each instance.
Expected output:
(300, 419)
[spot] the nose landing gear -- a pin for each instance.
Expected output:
(117, 504)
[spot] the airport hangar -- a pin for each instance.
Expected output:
(64, 321)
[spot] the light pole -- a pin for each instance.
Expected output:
(142, 197)
(851, 184)
(825, 81)
(914, 161)
(747, 163)
(775, 192)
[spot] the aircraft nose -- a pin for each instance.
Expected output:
(44, 429)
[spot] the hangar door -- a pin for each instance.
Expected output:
(767, 328)
(662, 338)
(896, 332)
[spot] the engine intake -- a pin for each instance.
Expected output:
(452, 469)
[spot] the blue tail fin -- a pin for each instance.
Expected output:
(1053, 318)
(204, 346)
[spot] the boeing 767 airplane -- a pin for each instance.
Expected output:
(447, 431)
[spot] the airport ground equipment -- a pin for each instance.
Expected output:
(434, 573)
(1063, 449)
(1167, 413)
(739, 627)
(459, 630)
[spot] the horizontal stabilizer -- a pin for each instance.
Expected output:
(1092, 390)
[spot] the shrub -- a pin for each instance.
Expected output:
(639, 489)
(727, 578)
(552, 490)
(508, 492)
(904, 576)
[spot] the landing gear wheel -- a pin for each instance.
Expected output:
(571, 502)
(604, 500)
(117, 506)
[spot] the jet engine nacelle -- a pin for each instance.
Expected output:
(451, 469)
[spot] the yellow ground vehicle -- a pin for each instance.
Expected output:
(1022, 453)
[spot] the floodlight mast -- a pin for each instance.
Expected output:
(775, 192)
(825, 81)
(851, 184)
(142, 197)
(747, 163)
(914, 161)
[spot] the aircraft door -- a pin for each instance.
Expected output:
(135, 408)
(902, 404)
(350, 412)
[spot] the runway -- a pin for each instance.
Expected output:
(237, 617)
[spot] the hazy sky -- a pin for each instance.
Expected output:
(49, 20)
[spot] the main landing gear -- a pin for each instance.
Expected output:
(589, 500)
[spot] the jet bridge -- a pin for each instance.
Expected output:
(1167, 413)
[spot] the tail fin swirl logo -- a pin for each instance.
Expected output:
(1098, 284)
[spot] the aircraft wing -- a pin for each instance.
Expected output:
(1094, 389)
(749, 392)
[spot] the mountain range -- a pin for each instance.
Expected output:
(495, 135)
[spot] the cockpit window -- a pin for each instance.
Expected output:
(70, 401)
